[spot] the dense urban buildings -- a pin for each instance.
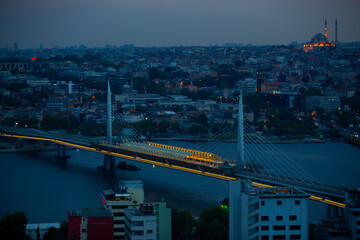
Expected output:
(128, 202)
(191, 93)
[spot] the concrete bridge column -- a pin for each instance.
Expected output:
(61, 153)
(109, 163)
(334, 213)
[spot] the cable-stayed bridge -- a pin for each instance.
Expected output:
(254, 159)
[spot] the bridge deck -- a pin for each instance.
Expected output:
(259, 180)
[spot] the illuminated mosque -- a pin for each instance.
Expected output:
(321, 41)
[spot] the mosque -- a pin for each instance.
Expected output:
(321, 41)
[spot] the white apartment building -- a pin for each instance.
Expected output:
(140, 223)
(131, 194)
(261, 214)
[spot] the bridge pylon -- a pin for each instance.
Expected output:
(240, 138)
(109, 161)
(108, 120)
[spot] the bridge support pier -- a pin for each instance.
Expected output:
(109, 163)
(334, 213)
(61, 153)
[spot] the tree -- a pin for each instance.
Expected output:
(202, 119)
(182, 223)
(213, 224)
(12, 226)
(57, 234)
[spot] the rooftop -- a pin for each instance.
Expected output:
(91, 213)
(32, 226)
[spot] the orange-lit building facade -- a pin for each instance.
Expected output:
(321, 40)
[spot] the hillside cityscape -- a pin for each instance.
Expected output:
(288, 94)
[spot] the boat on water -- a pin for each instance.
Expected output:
(127, 166)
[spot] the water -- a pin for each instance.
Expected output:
(45, 189)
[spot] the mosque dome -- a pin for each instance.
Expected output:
(318, 38)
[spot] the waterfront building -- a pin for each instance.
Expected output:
(130, 194)
(353, 213)
(163, 220)
(38, 230)
(140, 223)
(266, 213)
(136, 190)
(328, 103)
(90, 224)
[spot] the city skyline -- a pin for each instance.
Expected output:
(97, 23)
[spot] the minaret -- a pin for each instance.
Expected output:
(336, 33)
(325, 28)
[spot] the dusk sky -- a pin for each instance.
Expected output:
(173, 22)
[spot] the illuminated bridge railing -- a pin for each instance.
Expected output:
(322, 189)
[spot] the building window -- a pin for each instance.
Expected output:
(264, 218)
(137, 223)
(279, 218)
(279, 237)
(119, 214)
(262, 203)
(253, 231)
(119, 229)
(137, 233)
(119, 222)
(295, 237)
(264, 228)
(295, 227)
(297, 202)
(149, 231)
(119, 206)
(279, 202)
(292, 217)
(279, 227)
(265, 237)
(119, 237)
